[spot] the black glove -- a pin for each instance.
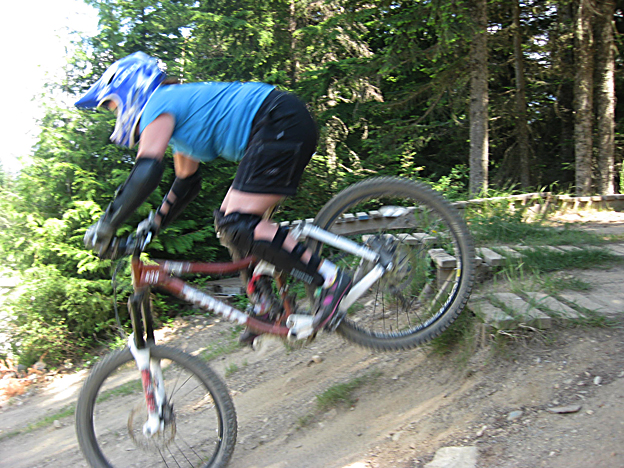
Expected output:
(98, 237)
(149, 224)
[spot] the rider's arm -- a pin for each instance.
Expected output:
(141, 182)
(184, 189)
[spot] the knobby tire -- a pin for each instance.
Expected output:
(407, 307)
(103, 414)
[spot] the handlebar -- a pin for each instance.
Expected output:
(132, 245)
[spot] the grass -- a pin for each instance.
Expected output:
(342, 393)
(496, 224)
(226, 345)
(553, 283)
(542, 269)
(231, 369)
(459, 338)
(220, 349)
(65, 412)
(542, 260)
(538, 269)
(125, 389)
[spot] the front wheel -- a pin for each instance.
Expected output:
(200, 424)
(432, 255)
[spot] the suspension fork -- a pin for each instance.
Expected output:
(140, 342)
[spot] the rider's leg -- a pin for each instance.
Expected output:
(259, 204)
(251, 234)
(265, 231)
(282, 140)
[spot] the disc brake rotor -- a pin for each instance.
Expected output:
(162, 439)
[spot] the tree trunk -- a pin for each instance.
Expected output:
(583, 85)
(479, 101)
(605, 96)
(522, 127)
(292, 28)
(564, 104)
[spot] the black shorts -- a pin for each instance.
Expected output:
(282, 140)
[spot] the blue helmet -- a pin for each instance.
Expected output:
(129, 83)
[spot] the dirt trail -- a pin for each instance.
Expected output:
(415, 402)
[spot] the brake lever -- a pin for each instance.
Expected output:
(146, 240)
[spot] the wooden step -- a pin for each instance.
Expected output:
(523, 311)
(560, 310)
(493, 315)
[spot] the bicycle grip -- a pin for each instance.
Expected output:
(118, 247)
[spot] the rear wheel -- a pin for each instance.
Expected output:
(432, 255)
(200, 421)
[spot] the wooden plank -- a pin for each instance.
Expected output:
(523, 311)
(396, 211)
(548, 302)
(552, 248)
(423, 238)
(615, 248)
(407, 239)
(442, 259)
(569, 248)
(490, 257)
(492, 315)
(586, 301)
(508, 251)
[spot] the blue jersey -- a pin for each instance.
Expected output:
(211, 119)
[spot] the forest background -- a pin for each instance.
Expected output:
(471, 96)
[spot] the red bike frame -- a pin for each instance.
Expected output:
(163, 276)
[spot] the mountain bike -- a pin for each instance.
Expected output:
(175, 411)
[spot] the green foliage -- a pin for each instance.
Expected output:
(542, 260)
(231, 369)
(342, 393)
(226, 345)
(498, 223)
(458, 338)
(555, 283)
(58, 316)
(45, 421)
(454, 186)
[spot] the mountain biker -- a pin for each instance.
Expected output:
(269, 131)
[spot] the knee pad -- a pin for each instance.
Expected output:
(236, 231)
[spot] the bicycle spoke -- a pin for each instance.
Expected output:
(194, 430)
(412, 227)
(163, 458)
(182, 439)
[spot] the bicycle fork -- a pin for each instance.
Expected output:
(150, 369)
